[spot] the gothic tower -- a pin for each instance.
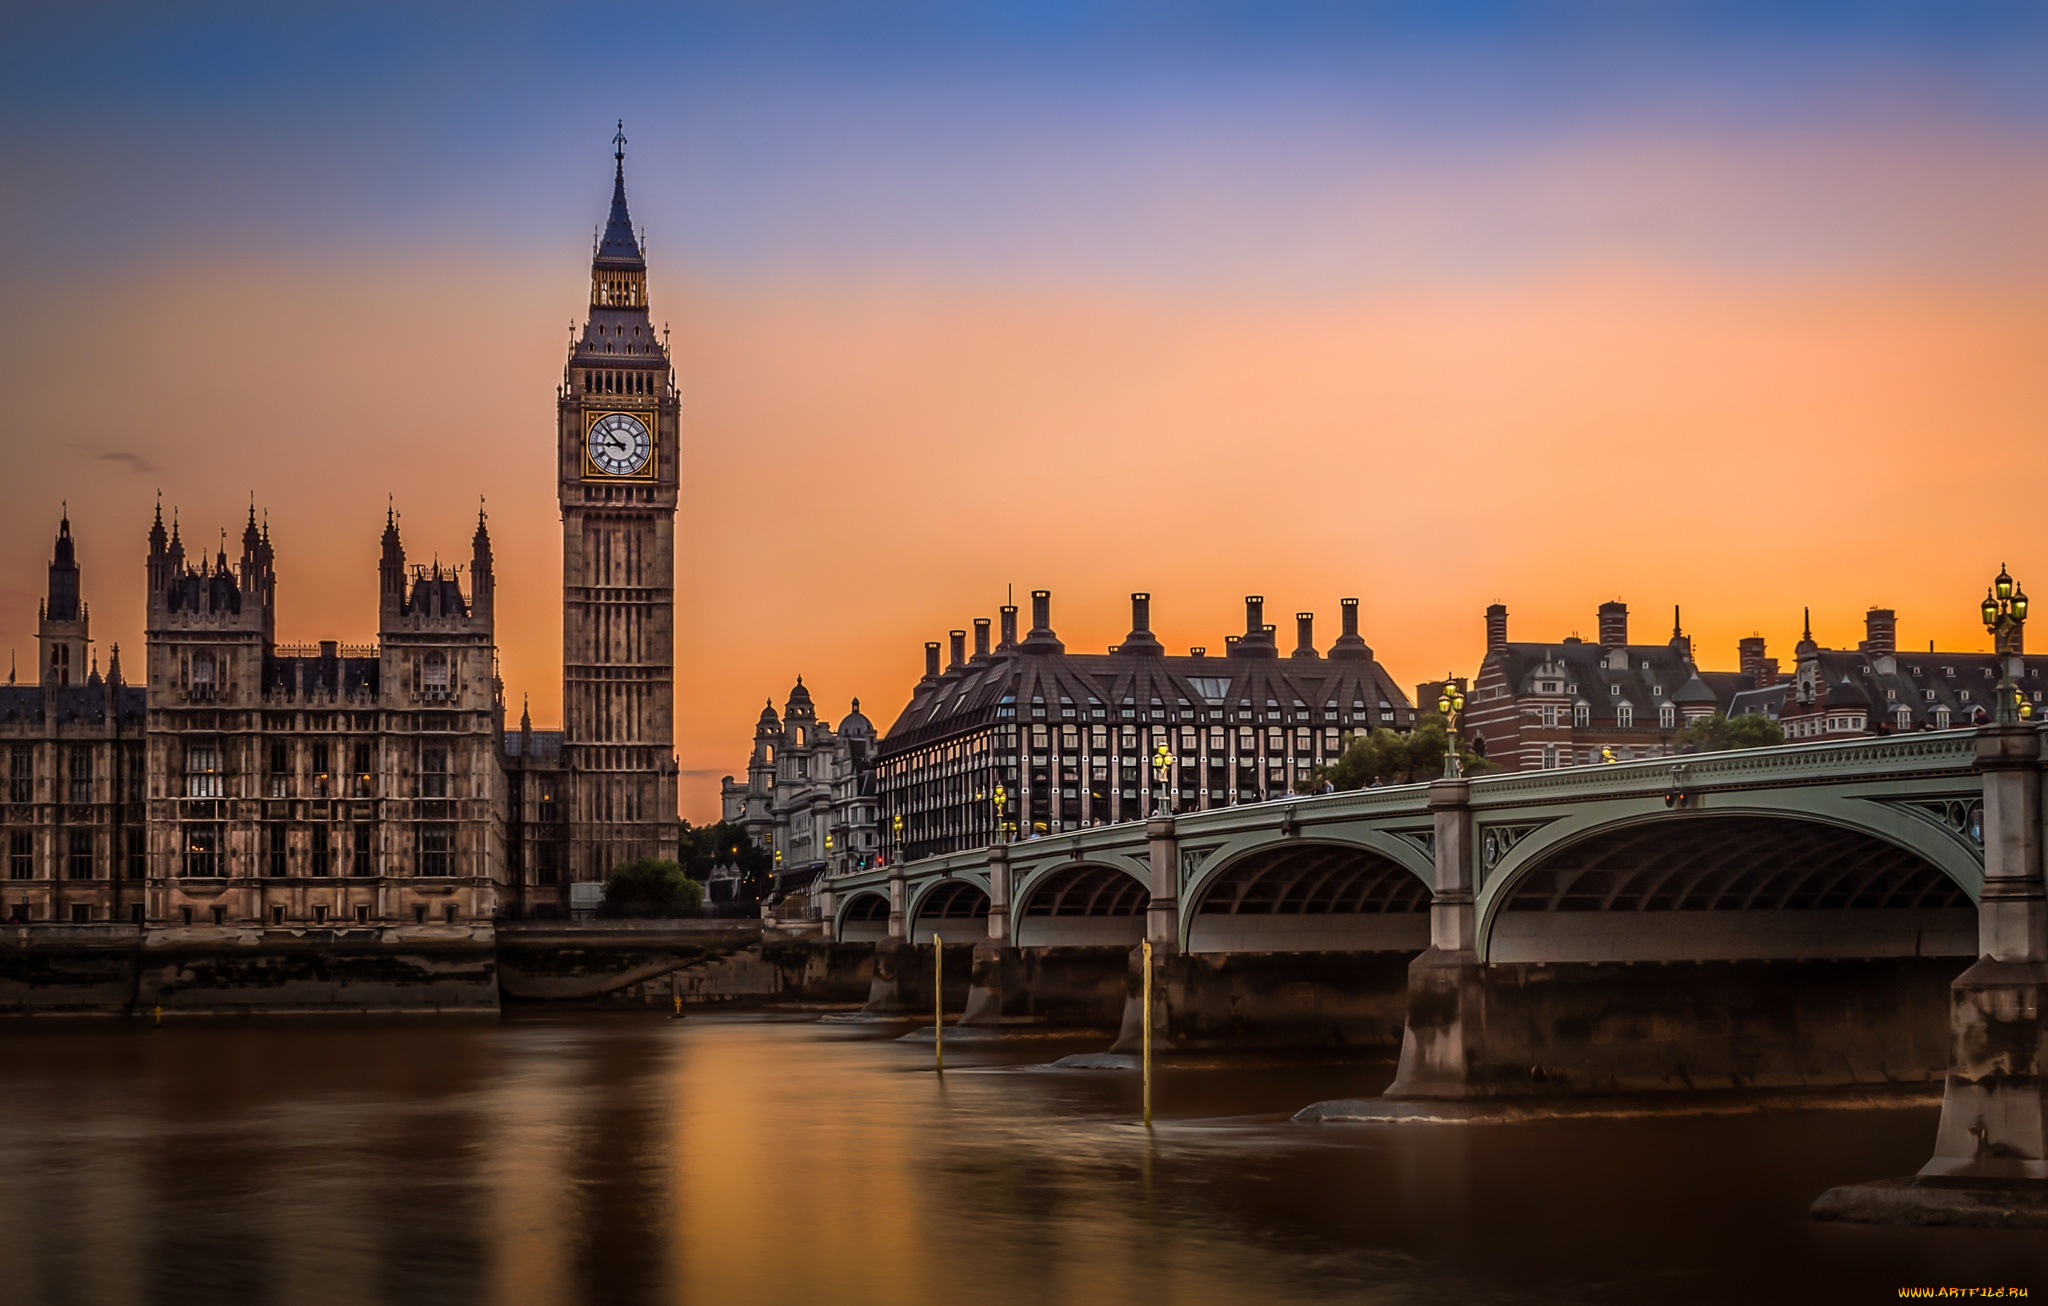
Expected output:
(62, 632)
(616, 446)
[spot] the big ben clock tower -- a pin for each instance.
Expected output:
(616, 456)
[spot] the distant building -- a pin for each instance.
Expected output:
(73, 824)
(1071, 737)
(1875, 689)
(809, 796)
(1560, 704)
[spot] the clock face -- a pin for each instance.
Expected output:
(619, 445)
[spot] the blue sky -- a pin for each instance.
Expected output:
(952, 139)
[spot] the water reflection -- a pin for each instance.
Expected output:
(534, 1163)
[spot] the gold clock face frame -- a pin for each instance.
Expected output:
(619, 445)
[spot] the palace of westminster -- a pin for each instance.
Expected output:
(243, 783)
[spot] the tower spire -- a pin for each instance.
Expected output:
(617, 246)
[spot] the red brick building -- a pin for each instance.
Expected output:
(1560, 703)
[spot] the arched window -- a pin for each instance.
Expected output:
(1625, 715)
(1582, 714)
(1667, 716)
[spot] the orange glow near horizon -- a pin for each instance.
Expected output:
(869, 464)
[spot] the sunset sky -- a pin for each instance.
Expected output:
(1431, 304)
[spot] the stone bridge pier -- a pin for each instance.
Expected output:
(1990, 1162)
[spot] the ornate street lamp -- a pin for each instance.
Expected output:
(1002, 802)
(2005, 614)
(1450, 703)
(1162, 768)
(896, 824)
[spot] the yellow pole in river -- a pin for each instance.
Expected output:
(1147, 948)
(938, 1006)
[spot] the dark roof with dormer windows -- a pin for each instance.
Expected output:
(1153, 688)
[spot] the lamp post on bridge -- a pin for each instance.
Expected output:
(896, 825)
(2005, 616)
(1450, 703)
(1162, 770)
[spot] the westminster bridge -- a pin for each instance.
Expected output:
(1777, 918)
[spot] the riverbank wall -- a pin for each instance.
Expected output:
(1510, 1030)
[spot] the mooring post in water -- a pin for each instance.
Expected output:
(159, 1015)
(938, 1007)
(1146, 948)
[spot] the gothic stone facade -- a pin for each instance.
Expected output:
(248, 783)
(72, 829)
(322, 785)
(617, 484)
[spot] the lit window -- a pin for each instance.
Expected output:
(202, 771)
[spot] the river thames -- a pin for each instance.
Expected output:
(625, 1159)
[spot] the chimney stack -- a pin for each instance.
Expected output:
(1880, 632)
(1613, 625)
(1348, 644)
(1141, 639)
(1749, 654)
(1496, 627)
(931, 660)
(959, 650)
(1761, 670)
(1305, 634)
(1009, 641)
(1041, 638)
(981, 639)
(1257, 640)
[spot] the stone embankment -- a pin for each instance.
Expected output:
(50, 970)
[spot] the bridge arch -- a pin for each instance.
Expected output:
(1307, 895)
(863, 917)
(1081, 903)
(1730, 884)
(954, 909)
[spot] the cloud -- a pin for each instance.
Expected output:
(134, 462)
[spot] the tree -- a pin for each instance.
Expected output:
(1715, 733)
(651, 886)
(1391, 758)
